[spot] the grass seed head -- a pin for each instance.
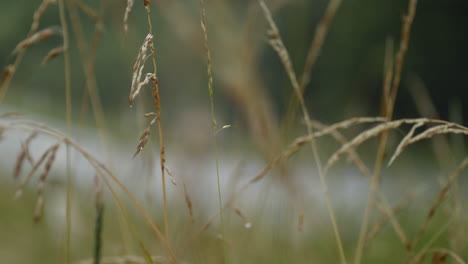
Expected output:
(52, 54)
(37, 37)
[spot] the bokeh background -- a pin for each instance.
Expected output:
(252, 94)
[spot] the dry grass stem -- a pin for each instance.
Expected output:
(317, 43)
(277, 43)
(405, 35)
(388, 106)
(383, 206)
(89, 11)
(387, 76)
(209, 65)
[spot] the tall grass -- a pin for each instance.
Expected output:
(188, 239)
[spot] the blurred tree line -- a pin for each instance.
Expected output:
(345, 82)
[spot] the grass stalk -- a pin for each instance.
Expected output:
(389, 102)
(68, 113)
(277, 44)
(157, 105)
(213, 122)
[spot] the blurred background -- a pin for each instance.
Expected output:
(252, 94)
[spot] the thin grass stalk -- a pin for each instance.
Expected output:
(68, 102)
(99, 224)
(90, 78)
(440, 198)
(213, 120)
(124, 212)
(313, 53)
(277, 44)
(431, 241)
(407, 22)
(10, 70)
(158, 108)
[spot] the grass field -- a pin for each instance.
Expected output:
(226, 173)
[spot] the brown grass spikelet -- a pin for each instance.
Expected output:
(38, 163)
(145, 136)
(23, 154)
(139, 66)
(189, 204)
(37, 37)
(169, 172)
(42, 178)
(128, 9)
(52, 54)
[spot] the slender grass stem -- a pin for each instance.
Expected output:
(66, 54)
(213, 121)
(160, 131)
